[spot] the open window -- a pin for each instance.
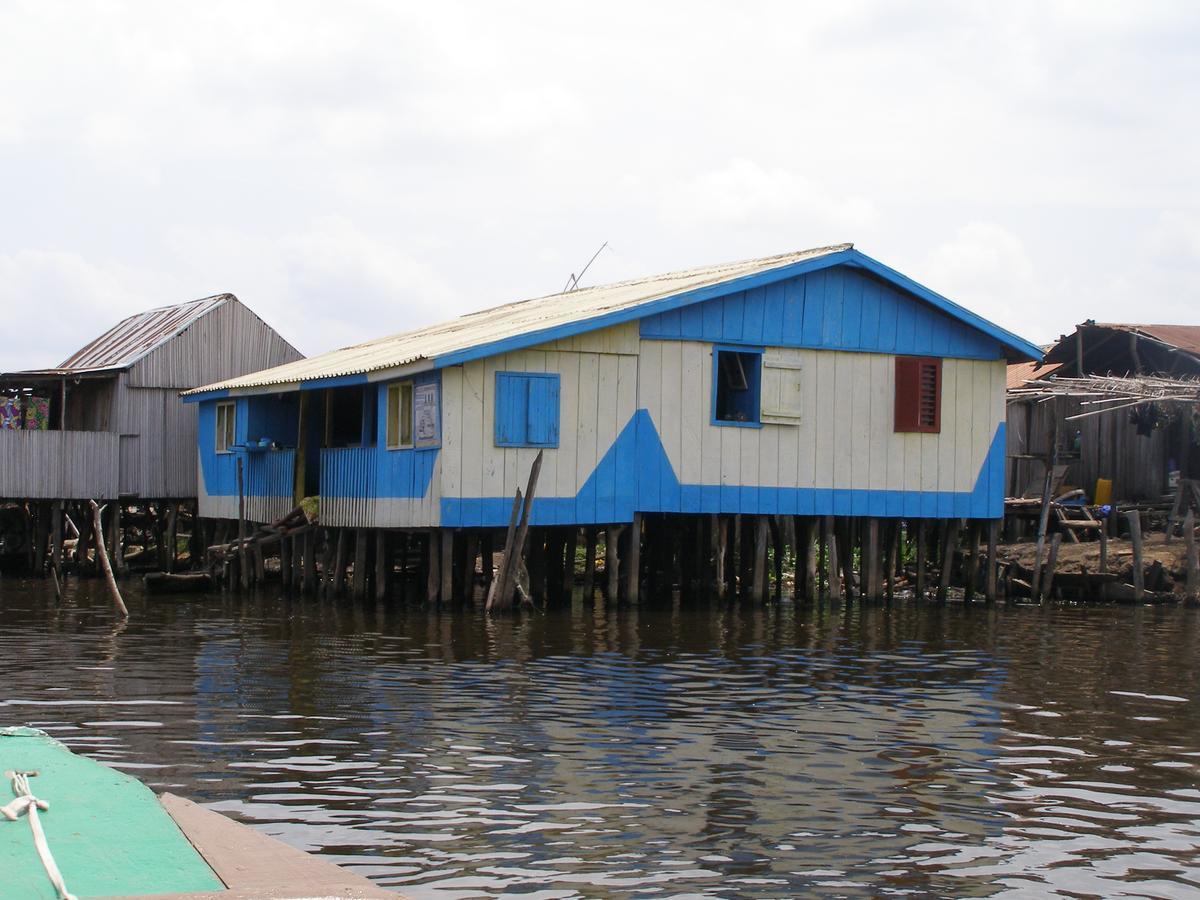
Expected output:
(349, 417)
(737, 380)
(226, 426)
(400, 416)
(918, 394)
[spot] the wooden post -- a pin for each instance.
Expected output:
(758, 561)
(1043, 522)
(893, 552)
(383, 565)
(487, 553)
(721, 554)
(922, 553)
(989, 590)
(447, 558)
(243, 569)
(501, 598)
(56, 533)
(359, 585)
(506, 558)
(115, 554)
(260, 564)
(1193, 561)
(870, 562)
(612, 561)
(86, 530)
(633, 589)
(589, 564)
(285, 563)
(106, 566)
(1051, 564)
(568, 574)
(433, 571)
(172, 535)
(972, 573)
(310, 561)
(1135, 539)
(338, 584)
(832, 560)
(950, 546)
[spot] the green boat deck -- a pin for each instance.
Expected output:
(107, 831)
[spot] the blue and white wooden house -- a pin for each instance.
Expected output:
(813, 383)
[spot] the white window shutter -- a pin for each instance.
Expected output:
(782, 392)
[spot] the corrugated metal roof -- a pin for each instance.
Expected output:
(1181, 337)
(132, 338)
(509, 320)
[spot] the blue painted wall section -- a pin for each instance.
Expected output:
(617, 488)
(840, 308)
(376, 471)
(266, 473)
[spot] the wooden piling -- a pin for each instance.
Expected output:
(338, 582)
(433, 567)
(832, 560)
(571, 545)
(893, 553)
(172, 535)
(358, 583)
(285, 563)
(971, 577)
(950, 545)
(106, 566)
(758, 588)
(633, 588)
(383, 565)
(989, 590)
(1043, 523)
(310, 562)
(1192, 585)
(1051, 565)
(589, 564)
(56, 542)
(612, 561)
(870, 560)
(922, 554)
(82, 548)
(487, 559)
(721, 554)
(1135, 539)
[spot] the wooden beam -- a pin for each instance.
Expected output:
(106, 566)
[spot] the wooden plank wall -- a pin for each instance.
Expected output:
(598, 398)
(845, 437)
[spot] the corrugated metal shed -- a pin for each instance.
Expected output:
(132, 338)
(500, 322)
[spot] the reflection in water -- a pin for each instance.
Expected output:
(674, 749)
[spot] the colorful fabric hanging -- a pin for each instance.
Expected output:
(10, 413)
(37, 413)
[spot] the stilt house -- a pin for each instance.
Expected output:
(1140, 448)
(107, 422)
(820, 382)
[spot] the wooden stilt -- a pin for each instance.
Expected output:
(1051, 565)
(779, 550)
(172, 535)
(589, 563)
(285, 563)
(487, 554)
(922, 548)
(1043, 523)
(950, 545)
(571, 545)
(833, 561)
(720, 554)
(971, 577)
(56, 538)
(117, 555)
(433, 566)
(633, 589)
(758, 560)
(383, 566)
(106, 566)
(338, 583)
(1135, 539)
(1192, 585)
(358, 582)
(260, 564)
(82, 545)
(612, 561)
(447, 559)
(310, 562)
(893, 553)
(989, 590)
(870, 552)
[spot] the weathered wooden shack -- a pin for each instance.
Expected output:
(1141, 449)
(813, 384)
(107, 423)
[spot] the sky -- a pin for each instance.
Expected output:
(355, 169)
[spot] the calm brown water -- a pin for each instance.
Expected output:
(664, 751)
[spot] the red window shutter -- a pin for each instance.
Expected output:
(918, 394)
(907, 393)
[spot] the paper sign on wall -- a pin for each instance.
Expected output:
(425, 414)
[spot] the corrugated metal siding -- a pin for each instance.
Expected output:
(270, 482)
(58, 465)
(348, 487)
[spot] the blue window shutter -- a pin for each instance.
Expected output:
(542, 412)
(527, 410)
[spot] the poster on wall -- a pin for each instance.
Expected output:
(425, 414)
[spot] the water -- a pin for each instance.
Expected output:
(670, 751)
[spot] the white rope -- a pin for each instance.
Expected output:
(27, 803)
